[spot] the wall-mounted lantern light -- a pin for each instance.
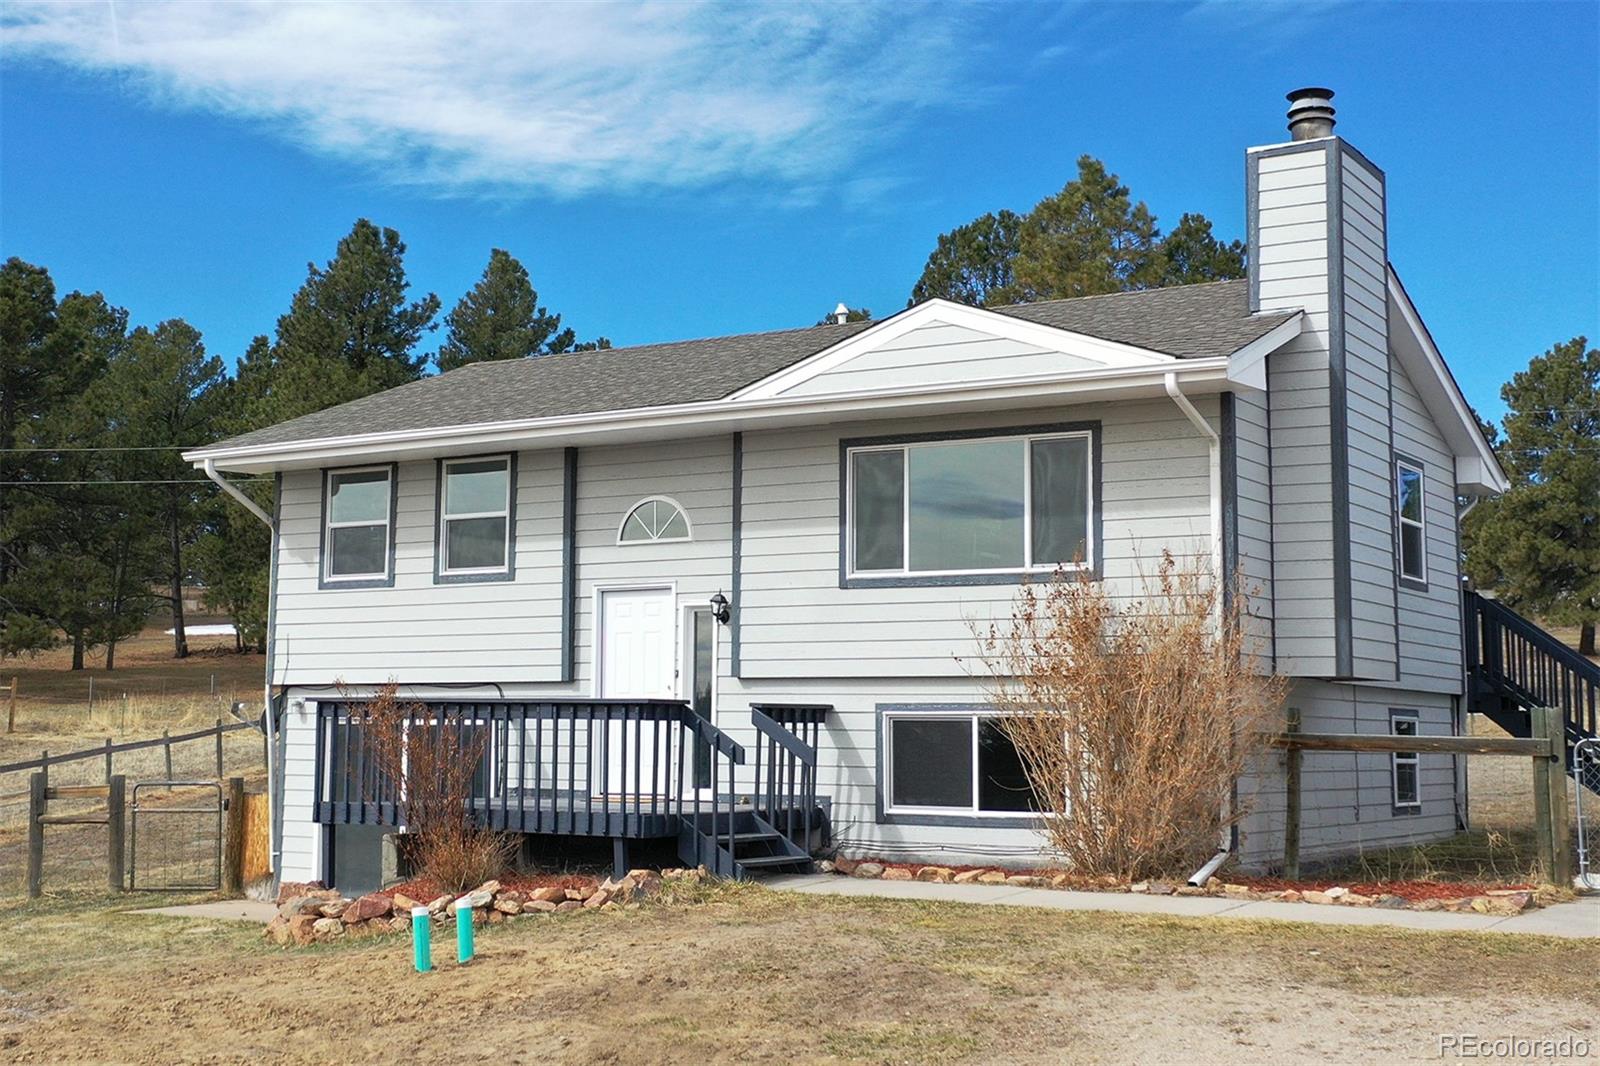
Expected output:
(720, 609)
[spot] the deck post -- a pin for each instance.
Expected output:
(1291, 808)
(233, 842)
(619, 857)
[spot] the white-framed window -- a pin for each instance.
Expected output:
(475, 516)
(1405, 784)
(938, 762)
(1410, 511)
(654, 519)
(358, 512)
(970, 506)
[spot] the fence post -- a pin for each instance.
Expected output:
(233, 838)
(1291, 807)
(116, 831)
(108, 760)
(1550, 797)
(11, 707)
(91, 694)
(166, 743)
(219, 749)
(36, 801)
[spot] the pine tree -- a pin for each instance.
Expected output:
(501, 319)
(1538, 545)
(1191, 254)
(973, 262)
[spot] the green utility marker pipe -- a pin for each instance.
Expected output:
(421, 939)
(463, 932)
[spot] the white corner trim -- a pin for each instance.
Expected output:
(946, 312)
(1476, 465)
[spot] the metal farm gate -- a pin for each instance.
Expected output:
(176, 839)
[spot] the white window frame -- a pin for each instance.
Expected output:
(681, 509)
(329, 525)
(445, 518)
(1401, 467)
(938, 715)
(1410, 758)
(1029, 565)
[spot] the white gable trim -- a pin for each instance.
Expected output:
(1477, 469)
(1110, 354)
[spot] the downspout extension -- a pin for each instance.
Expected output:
(209, 467)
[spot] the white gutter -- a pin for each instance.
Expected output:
(267, 724)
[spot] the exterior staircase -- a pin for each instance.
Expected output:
(1513, 665)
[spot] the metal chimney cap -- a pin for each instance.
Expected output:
(841, 314)
(1310, 113)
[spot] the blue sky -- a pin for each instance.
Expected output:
(682, 170)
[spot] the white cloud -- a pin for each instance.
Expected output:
(561, 98)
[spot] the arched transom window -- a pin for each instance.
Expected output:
(654, 519)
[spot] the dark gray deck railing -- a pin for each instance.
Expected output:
(1507, 653)
(612, 768)
(787, 738)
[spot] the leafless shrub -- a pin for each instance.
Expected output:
(436, 759)
(1134, 718)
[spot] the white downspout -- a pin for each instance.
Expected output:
(1214, 468)
(209, 467)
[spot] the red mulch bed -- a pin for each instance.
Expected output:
(1411, 890)
(423, 889)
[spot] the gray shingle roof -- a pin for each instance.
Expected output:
(1188, 322)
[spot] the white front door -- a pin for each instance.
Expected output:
(637, 651)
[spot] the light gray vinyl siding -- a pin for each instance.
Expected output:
(796, 622)
(1430, 621)
(1364, 274)
(939, 354)
(1253, 499)
(1291, 257)
(418, 630)
(1346, 797)
(302, 836)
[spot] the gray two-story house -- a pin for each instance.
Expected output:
(719, 591)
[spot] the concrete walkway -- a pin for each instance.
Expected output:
(1580, 919)
(227, 910)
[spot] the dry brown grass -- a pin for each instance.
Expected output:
(743, 974)
(1133, 718)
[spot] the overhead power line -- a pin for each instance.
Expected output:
(97, 448)
(183, 481)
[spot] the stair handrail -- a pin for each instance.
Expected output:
(795, 781)
(1545, 642)
(770, 727)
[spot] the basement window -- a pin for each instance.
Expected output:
(953, 763)
(1410, 487)
(358, 537)
(1404, 780)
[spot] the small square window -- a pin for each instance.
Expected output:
(475, 517)
(954, 763)
(1404, 765)
(357, 532)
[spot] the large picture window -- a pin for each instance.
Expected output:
(1410, 488)
(359, 516)
(970, 506)
(475, 517)
(953, 763)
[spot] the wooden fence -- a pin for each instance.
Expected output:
(1546, 747)
(166, 740)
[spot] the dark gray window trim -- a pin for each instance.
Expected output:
(1013, 577)
(569, 564)
(1407, 809)
(386, 582)
(880, 787)
(510, 572)
(1411, 584)
(737, 556)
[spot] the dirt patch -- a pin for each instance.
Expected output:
(745, 974)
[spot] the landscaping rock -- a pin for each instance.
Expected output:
(1514, 903)
(941, 874)
(539, 906)
(366, 908)
(578, 894)
(506, 904)
(548, 895)
(845, 866)
(277, 930)
(1028, 881)
(1190, 890)
(826, 866)
(291, 889)
(1290, 895)
(967, 877)
(1159, 888)
(327, 928)
(333, 908)
(640, 884)
(1236, 890)
(1392, 903)
(300, 928)
(440, 905)
(896, 873)
(868, 869)
(1139, 886)
(478, 897)
(992, 877)
(1355, 899)
(1337, 893)
(402, 904)
(1428, 905)
(301, 905)
(570, 905)
(1316, 897)
(600, 897)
